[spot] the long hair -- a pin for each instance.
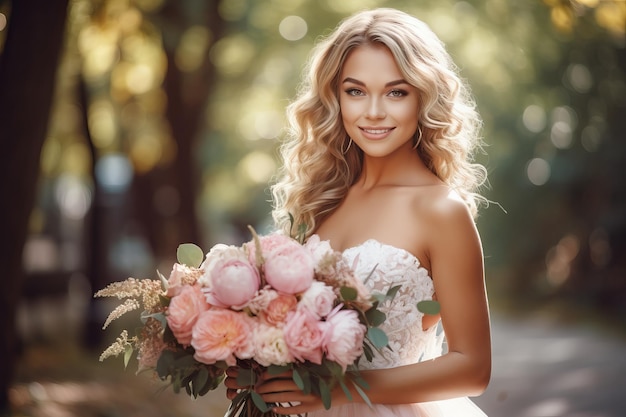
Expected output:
(317, 170)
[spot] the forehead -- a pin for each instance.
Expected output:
(371, 61)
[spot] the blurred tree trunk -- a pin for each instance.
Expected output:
(27, 77)
(187, 94)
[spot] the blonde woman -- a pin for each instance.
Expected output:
(379, 163)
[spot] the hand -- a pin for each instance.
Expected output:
(276, 389)
(287, 398)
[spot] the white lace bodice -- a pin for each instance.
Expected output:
(394, 266)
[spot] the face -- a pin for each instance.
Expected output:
(378, 106)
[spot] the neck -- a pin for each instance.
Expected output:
(401, 169)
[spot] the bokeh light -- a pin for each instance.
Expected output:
(114, 173)
(293, 28)
(538, 171)
(534, 118)
(72, 196)
(257, 167)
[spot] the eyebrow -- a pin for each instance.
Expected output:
(389, 84)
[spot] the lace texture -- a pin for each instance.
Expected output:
(393, 266)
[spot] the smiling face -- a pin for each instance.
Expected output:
(379, 107)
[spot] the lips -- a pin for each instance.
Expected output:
(376, 131)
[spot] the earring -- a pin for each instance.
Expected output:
(345, 151)
(419, 137)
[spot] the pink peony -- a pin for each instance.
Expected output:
(271, 348)
(319, 298)
(222, 335)
(303, 336)
(343, 337)
(184, 310)
(230, 279)
(289, 267)
(324, 257)
(278, 309)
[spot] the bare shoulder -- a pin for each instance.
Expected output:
(444, 217)
(440, 204)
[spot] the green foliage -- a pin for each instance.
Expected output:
(184, 372)
(430, 307)
(189, 254)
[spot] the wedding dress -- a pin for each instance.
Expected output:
(408, 341)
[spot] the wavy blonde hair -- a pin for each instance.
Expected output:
(317, 171)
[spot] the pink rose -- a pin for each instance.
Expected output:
(278, 309)
(303, 336)
(288, 265)
(230, 279)
(319, 298)
(343, 337)
(222, 335)
(271, 348)
(180, 276)
(184, 310)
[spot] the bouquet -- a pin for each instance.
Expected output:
(273, 304)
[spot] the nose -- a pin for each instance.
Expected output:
(375, 109)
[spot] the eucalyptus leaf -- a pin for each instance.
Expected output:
(430, 307)
(258, 401)
(190, 255)
(278, 369)
(375, 317)
(324, 393)
(363, 395)
(200, 380)
(369, 353)
(391, 292)
(348, 293)
(297, 379)
(345, 389)
(164, 363)
(246, 377)
(378, 337)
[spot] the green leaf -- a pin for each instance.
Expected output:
(391, 292)
(258, 401)
(375, 317)
(200, 380)
(369, 353)
(306, 380)
(164, 364)
(297, 379)
(185, 361)
(246, 377)
(363, 395)
(278, 369)
(345, 389)
(358, 380)
(190, 255)
(348, 293)
(430, 307)
(128, 353)
(324, 393)
(377, 337)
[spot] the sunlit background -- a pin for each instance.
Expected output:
(164, 128)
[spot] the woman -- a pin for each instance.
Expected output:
(379, 163)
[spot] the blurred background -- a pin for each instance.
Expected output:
(130, 126)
